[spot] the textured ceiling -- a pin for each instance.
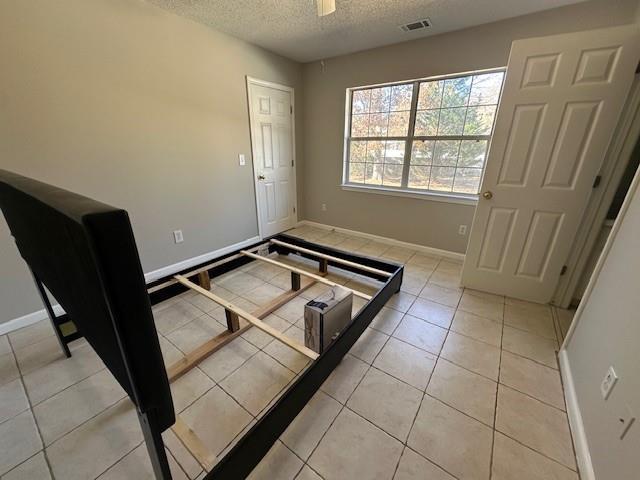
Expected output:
(292, 28)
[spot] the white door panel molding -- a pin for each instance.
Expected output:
(273, 147)
(560, 104)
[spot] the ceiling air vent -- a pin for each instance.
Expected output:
(417, 25)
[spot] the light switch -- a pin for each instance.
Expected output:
(242, 160)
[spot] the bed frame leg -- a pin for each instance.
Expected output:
(324, 265)
(204, 280)
(233, 322)
(52, 315)
(155, 447)
(295, 281)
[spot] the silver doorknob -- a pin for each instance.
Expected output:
(488, 195)
(260, 177)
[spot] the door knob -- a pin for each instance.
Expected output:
(260, 177)
(488, 195)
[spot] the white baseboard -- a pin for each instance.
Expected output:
(583, 456)
(28, 319)
(34, 317)
(391, 241)
(192, 262)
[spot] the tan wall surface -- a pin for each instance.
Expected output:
(430, 223)
(136, 107)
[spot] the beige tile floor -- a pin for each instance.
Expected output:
(446, 384)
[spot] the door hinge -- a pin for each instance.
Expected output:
(294, 209)
(291, 109)
(292, 163)
(564, 270)
(596, 182)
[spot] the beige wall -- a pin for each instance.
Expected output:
(418, 221)
(136, 107)
(606, 333)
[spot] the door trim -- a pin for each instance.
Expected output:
(276, 86)
(618, 154)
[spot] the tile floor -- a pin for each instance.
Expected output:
(446, 384)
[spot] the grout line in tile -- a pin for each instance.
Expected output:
(313, 470)
(533, 359)
(117, 461)
(533, 397)
(495, 405)
(170, 453)
(534, 450)
(424, 392)
(25, 461)
(294, 453)
(556, 325)
(30, 405)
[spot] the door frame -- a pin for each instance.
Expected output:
(622, 144)
(285, 88)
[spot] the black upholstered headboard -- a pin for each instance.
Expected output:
(85, 253)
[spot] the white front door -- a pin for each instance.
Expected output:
(272, 143)
(562, 98)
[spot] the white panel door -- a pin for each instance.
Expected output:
(271, 115)
(562, 99)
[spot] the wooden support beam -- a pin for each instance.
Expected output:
(193, 443)
(323, 265)
(295, 281)
(208, 348)
(331, 258)
(233, 321)
(250, 318)
(317, 278)
(209, 266)
(204, 280)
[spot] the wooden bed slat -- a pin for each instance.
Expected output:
(208, 348)
(317, 278)
(193, 443)
(332, 258)
(250, 318)
(162, 285)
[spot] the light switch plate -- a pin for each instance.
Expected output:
(608, 382)
(242, 160)
(177, 236)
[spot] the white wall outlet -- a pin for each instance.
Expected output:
(242, 160)
(324, 207)
(462, 230)
(608, 382)
(177, 236)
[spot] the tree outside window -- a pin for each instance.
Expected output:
(426, 135)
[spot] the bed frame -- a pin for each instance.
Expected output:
(99, 235)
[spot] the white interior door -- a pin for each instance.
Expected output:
(272, 143)
(562, 98)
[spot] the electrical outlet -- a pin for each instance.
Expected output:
(177, 236)
(626, 421)
(324, 207)
(608, 382)
(462, 230)
(242, 160)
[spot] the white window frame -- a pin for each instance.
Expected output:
(449, 197)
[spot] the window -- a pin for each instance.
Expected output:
(422, 136)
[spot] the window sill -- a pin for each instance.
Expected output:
(431, 196)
